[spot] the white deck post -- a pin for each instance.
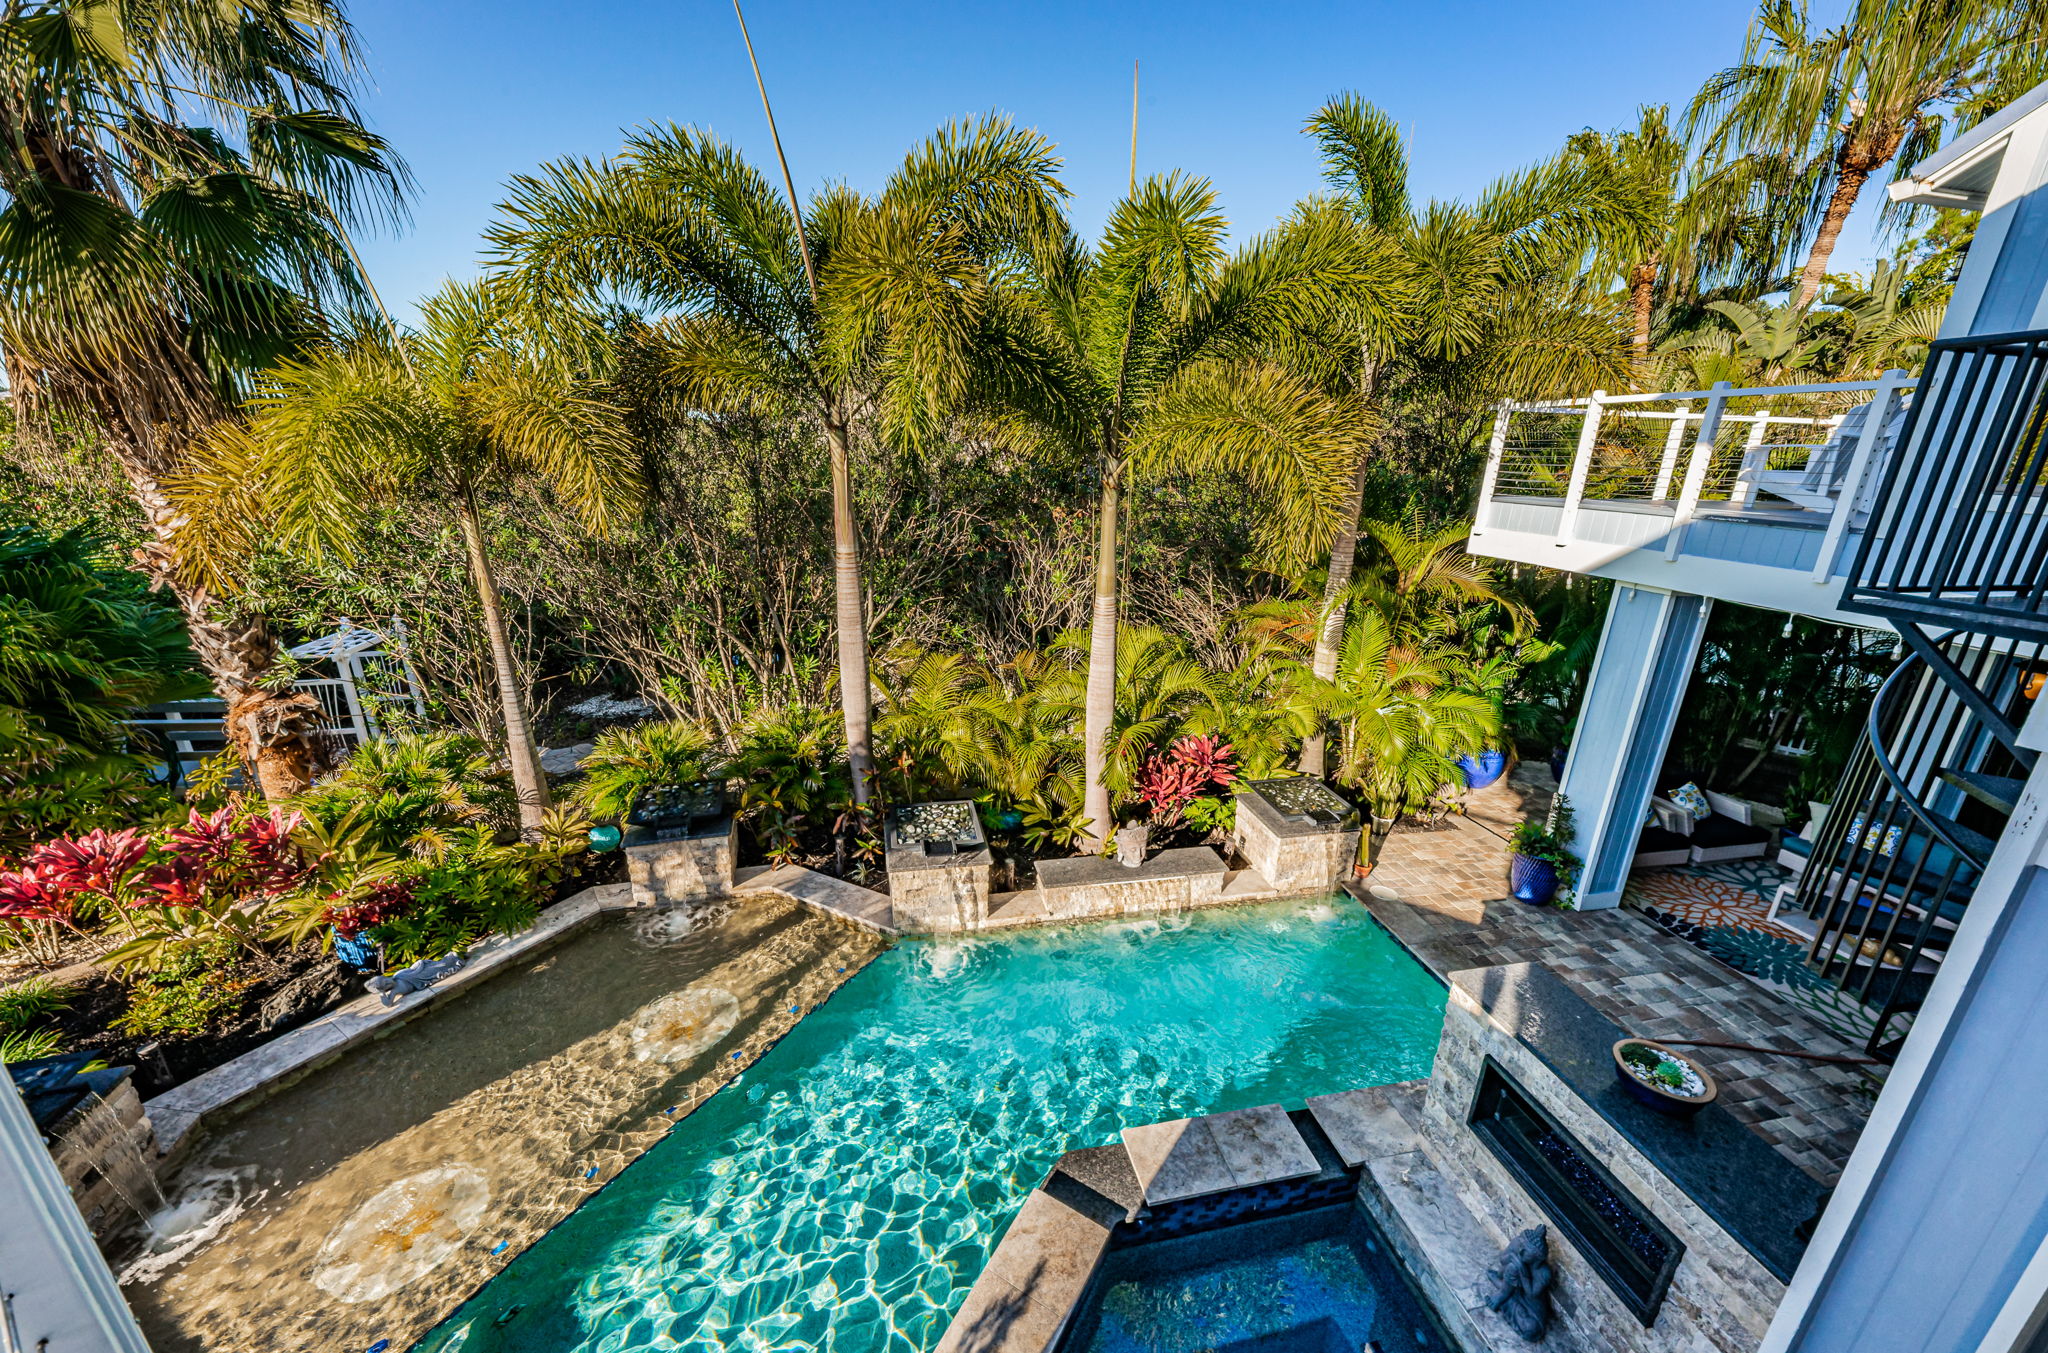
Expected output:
(1696, 469)
(1754, 461)
(1881, 402)
(1672, 441)
(1495, 449)
(1582, 462)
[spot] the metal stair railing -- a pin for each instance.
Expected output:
(1915, 819)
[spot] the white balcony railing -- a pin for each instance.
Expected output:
(1802, 455)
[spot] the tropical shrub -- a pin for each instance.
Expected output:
(192, 990)
(1169, 782)
(1214, 815)
(791, 767)
(413, 792)
(627, 761)
(23, 1007)
(82, 644)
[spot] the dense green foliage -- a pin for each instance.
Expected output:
(82, 644)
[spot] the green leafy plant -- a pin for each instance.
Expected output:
(1212, 814)
(627, 761)
(193, 991)
(30, 1002)
(411, 793)
(791, 767)
(1550, 842)
(28, 1045)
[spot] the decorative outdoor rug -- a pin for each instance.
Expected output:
(1720, 909)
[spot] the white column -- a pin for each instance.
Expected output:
(1633, 693)
(60, 1295)
(1696, 469)
(1582, 461)
(1882, 404)
(1495, 449)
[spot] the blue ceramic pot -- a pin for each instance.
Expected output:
(1532, 881)
(1557, 756)
(1483, 768)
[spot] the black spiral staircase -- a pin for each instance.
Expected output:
(1955, 556)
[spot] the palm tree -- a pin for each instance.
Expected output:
(1404, 716)
(1137, 357)
(179, 179)
(1473, 293)
(1852, 99)
(472, 401)
(1701, 229)
(854, 317)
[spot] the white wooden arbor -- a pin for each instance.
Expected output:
(358, 673)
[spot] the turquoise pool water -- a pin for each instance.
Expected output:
(844, 1193)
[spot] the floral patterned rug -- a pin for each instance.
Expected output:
(1722, 909)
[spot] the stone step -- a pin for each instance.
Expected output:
(848, 901)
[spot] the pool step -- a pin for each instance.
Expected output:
(821, 892)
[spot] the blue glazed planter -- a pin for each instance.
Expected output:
(1483, 768)
(1557, 756)
(1532, 881)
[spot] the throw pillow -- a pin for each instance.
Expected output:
(1689, 797)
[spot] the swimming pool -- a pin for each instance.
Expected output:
(846, 1191)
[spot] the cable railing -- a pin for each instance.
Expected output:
(1798, 452)
(1959, 530)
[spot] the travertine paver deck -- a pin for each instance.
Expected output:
(1444, 895)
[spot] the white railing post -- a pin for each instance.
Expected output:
(1754, 460)
(1495, 449)
(1696, 469)
(1881, 402)
(1672, 441)
(1582, 462)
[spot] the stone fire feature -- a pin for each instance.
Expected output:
(690, 868)
(1301, 835)
(1729, 1201)
(939, 864)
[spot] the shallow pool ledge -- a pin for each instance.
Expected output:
(178, 1113)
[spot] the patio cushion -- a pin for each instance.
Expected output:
(1717, 831)
(1655, 846)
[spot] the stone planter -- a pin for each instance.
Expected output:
(1299, 834)
(939, 864)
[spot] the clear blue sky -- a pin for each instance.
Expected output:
(474, 91)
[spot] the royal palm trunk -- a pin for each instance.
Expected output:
(849, 619)
(1330, 633)
(1099, 705)
(527, 779)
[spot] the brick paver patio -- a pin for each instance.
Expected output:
(1443, 894)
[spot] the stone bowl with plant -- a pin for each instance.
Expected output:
(1667, 1081)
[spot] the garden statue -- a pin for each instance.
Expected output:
(1520, 1283)
(418, 977)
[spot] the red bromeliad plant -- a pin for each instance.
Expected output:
(1191, 767)
(206, 879)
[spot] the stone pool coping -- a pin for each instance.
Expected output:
(178, 1114)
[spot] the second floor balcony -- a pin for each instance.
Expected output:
(1758, 495)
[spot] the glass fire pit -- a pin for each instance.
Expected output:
(1303, 798)
(938, 828)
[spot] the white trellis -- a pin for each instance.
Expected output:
(358, 674)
